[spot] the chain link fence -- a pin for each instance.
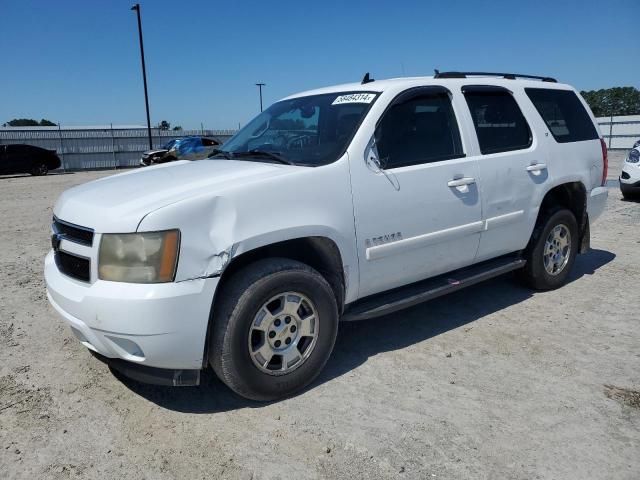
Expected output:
(97, 147)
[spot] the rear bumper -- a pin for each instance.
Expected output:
(597, 202)
(154, 325)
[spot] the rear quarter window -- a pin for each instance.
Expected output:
(564, 114)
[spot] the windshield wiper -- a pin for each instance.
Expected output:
(263, 153)
(222, 153)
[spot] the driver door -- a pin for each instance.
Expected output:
(416, 195)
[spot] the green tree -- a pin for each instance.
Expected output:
(164, 125)
(613, 101)
(177, 128)
(28, 122)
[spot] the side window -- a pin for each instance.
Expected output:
(421, 129)
(564, 114)
(498, 121)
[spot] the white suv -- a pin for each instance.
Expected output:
(346, 202)
(630, 175)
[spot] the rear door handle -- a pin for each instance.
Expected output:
(536, 167)
(460, 182)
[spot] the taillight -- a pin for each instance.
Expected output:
(605, 162)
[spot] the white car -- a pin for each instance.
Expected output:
(630, 175)
(347, 202)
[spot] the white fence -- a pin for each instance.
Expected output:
(620, 132)
(93, 148)
(116, 147)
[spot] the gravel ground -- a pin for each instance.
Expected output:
(492, 382)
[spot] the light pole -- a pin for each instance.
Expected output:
(136, 7)
(260, 85)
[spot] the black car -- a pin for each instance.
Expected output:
(27, 159)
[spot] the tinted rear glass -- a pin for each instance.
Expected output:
(564, 114)
(499, 123)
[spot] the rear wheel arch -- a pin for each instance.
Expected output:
(572, 196)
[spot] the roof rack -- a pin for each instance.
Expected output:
(508, 76)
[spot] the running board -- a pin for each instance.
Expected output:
(415, 293)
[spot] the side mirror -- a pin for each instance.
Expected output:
(372, 158)
(377, 165)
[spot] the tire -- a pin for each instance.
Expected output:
(255, 295)
(630, 194)
(39, 169)
(536, 272)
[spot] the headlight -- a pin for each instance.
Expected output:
(634, 156)
(150, 257)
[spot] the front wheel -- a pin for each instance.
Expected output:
(273, 330)
(39, 169)
(552, 250)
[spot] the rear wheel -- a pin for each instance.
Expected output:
(39, 169)
(552, 250)
(274, 329)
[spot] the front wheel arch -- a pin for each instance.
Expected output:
(320, 253)
(240, 299)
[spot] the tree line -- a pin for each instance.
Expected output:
(30, 122)
(613, 101)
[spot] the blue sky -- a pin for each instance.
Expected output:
(77, 62)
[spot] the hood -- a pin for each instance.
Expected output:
(153, 152)
(118, 203)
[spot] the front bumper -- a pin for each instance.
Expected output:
(151, 375)
(155, 325)
(630, 178)
(630, 187)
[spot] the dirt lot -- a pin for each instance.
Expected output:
(494, 382)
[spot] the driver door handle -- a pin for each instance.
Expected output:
(459, 182)
(536, 167)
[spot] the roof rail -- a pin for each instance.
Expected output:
(508, 76)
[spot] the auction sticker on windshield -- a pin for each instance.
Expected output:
(354, 98)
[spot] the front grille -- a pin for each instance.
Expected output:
(73, 233)
(73, 266)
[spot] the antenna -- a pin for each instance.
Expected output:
(367, 79)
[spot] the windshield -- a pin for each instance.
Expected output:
(168, 145)
(313, 130)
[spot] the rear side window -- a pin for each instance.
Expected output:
(498, 121)
(420, 128)
(564, 114)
